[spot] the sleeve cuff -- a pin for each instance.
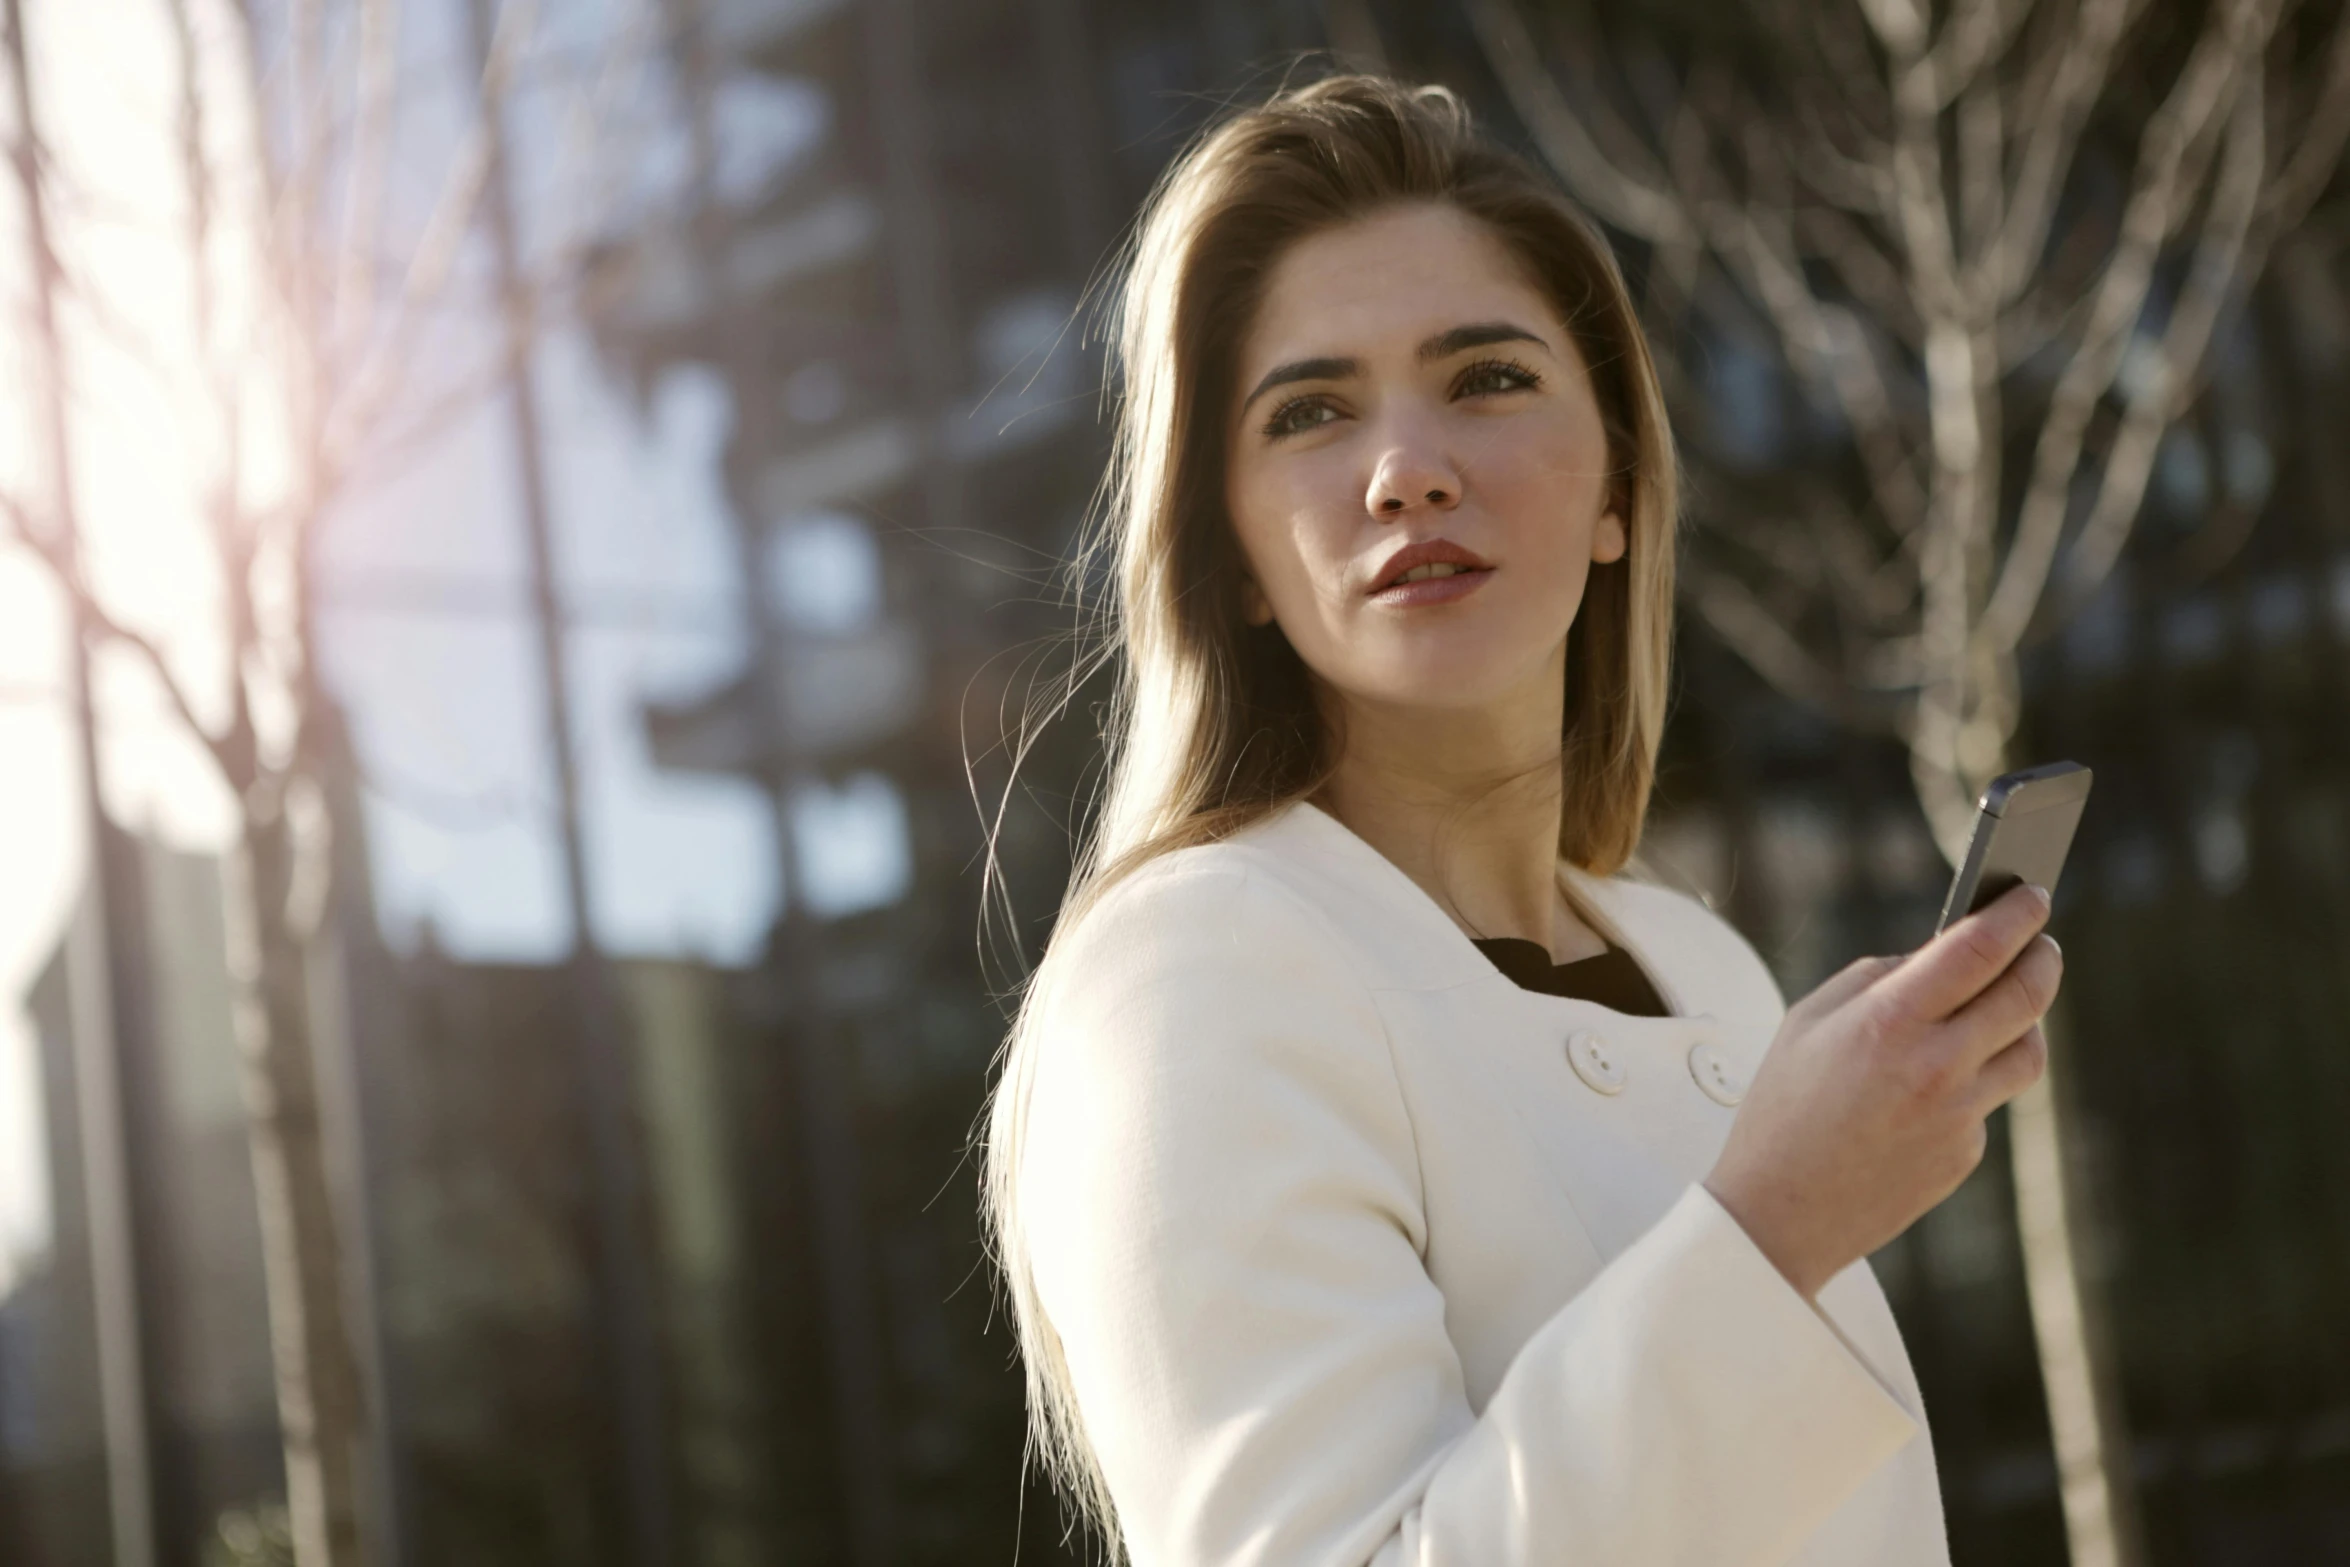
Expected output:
(1725, 1380)
(1860, 1357)
(1823, 1417)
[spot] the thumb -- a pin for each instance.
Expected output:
(1848, 982)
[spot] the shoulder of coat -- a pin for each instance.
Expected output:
(1200, 901)
(1305, 885)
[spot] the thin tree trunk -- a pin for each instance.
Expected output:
(2086, 1422)
(2085, 1417)
(318, 1393)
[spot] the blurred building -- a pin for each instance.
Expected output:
(211, 1402)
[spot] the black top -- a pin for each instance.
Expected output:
(1612, 978)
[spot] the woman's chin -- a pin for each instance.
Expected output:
(1466, 668)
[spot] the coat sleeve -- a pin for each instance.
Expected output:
(1219, 1194)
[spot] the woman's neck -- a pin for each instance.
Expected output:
(1467, 804)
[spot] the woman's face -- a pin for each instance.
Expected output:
(1408, 398)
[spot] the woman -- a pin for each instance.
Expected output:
(1380, 1175)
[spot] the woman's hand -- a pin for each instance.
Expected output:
(1869, 1108)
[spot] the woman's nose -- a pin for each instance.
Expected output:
(1409, 476)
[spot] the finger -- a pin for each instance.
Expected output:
(1847, 982)
(2014, 1069)
(2009, 1005)
(1952, 969)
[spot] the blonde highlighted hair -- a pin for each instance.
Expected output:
(1213, 725)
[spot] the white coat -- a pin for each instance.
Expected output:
(1358, 1252)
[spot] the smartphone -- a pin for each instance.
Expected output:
(2023, 829)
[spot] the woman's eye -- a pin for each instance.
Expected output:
(1495, 375)
(1299, 414)
(1483, 379)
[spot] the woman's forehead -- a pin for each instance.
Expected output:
(1388, 283)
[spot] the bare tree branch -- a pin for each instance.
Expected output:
(1831, 349)
(1982, 162)
(2162, 392)
(2311, 167)
(2228, 51)
(1841, 180)
(222, 385)
(354, 294)
(1969, 46)
(2060, 107)
(2056, 311)
(1852, 77)
(1730, 609)
(1828, 347)
(1872, 278)
(381, 373)
(65, 570)
(1614, 196)
(1900, 26)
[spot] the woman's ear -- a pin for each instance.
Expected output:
(1255, 608)
(1608, 539)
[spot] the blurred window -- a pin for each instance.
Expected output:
(852, 845)
(824, 574)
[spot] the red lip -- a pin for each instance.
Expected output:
(1427, 552)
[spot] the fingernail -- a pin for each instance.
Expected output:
(2042, 894)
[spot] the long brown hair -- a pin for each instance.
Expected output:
(1214, 725)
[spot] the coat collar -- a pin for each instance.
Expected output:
(1406, 941)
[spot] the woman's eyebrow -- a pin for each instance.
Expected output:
(1478, 334)
(1302, 370)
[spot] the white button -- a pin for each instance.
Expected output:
(1594, 1061)
(1722, 1082)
